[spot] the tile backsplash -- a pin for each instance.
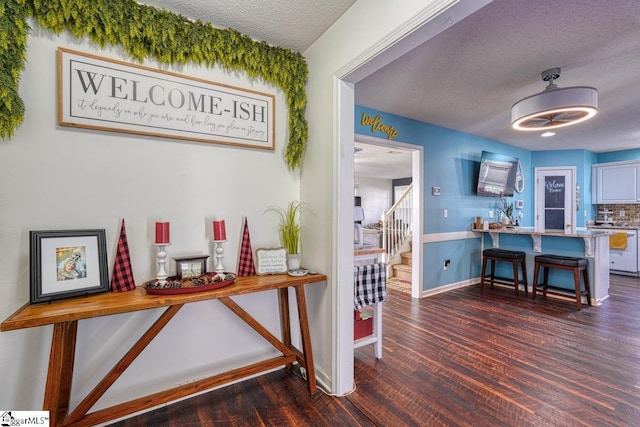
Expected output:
(631, 213)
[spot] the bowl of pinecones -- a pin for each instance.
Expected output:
(201, 283)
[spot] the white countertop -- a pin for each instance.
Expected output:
(538, 232)
(613, 227)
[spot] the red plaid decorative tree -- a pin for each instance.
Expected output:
(245, 263)
(122, 277)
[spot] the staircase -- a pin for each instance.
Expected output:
(396, 236)
(403, 270)
(396, 224)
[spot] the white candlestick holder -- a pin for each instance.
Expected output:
(219, 252)
(161, 258)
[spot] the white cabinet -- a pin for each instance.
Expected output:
(616, 182)
(625, 259)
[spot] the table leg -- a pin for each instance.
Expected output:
(58, 389)
(377, 317)
(285, 321)
(306, 338)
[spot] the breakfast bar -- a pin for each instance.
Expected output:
(590, 244)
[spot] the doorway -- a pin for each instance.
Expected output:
(388, 161)
(424, 22)
(555, 198)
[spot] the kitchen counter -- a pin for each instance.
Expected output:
(366, 254)
(368, 251)
(536, 235)
(592, 244)
(613, 227)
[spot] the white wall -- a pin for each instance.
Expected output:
(60, 178)
(376, 196)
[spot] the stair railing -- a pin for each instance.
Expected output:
(397, 224)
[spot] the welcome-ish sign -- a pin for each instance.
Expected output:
(106, 94)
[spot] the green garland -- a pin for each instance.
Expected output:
(145, 32)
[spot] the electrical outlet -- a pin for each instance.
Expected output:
(445, 213)
(491, 214)
(621, 214)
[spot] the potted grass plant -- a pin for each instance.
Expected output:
(289, 230)
(507, 210)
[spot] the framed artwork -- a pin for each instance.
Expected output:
(68, 263)
(191, 266)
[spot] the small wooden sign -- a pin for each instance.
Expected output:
(271, 261)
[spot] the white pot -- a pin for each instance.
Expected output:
(293, 261)
(506, 220)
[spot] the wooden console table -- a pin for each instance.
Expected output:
(64, 316)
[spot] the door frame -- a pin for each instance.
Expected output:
(417, 172)
(426, 23)
(567, 171)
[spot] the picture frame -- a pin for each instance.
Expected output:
(67, 263)
(519, 184)
(271, 261)
(191, 266)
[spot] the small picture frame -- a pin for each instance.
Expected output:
(191, 266)
(67, 263)
(271, 261)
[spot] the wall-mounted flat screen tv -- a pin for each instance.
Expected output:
(497, 176)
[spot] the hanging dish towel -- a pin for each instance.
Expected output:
(618, 241)
(370, 284)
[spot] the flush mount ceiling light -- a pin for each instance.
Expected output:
(554, 107)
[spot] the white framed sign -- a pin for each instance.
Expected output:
(106, 94)
(271, 261)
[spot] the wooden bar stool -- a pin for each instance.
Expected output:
(564, 263)
(514, 257)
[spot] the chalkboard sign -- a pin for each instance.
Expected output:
(271, 261)
(554, 193)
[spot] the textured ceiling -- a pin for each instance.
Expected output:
(468, 77)
(293, 24)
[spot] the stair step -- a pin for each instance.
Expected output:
(406, 257)
(402, 271)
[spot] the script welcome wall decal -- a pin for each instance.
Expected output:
(106, 94)
(377, 125)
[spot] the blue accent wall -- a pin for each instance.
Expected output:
(464, 255)
(619, 156)
(451, 162)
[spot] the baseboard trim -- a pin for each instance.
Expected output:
(449, 287)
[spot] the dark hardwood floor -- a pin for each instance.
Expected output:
(461, 358)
